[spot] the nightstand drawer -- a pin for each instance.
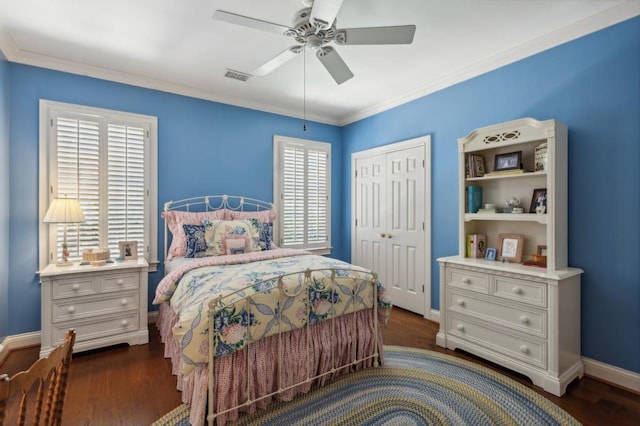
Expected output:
(529, 292)
(512, 345)
(69, 310)
(468, 280)
(118, 282)
(532, 321)
(81, 286)
(89, 330)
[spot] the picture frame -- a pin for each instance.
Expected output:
(128, 250)
(508, 161)
(510, 247)
(490, 254)
(542, 251)
(538, 201)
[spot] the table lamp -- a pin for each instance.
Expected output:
(64, 210)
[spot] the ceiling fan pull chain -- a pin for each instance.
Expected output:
(304, 89)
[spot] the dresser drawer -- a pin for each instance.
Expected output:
(74, 287)
(467, 280)
(532, 293)
(74, 309)
(512, 345)
(532, 321)
(118, 282)
(86, 330)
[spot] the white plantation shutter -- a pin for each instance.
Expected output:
(302, 184)
(78, 176)
(126, 186)
(104, 159)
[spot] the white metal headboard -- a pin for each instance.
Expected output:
(208, 203)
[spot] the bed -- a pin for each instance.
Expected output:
(246, 323)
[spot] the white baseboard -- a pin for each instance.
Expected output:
(18, 341)
(435, 316)
(611, 374)
(596, 369)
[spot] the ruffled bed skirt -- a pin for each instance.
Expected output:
(260, 363)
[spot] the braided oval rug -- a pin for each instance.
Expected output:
(413, 387)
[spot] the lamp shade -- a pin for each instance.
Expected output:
(64, 210)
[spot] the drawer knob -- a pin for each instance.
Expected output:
(524, 319)
(466, 280)
(517, 290)
(71, 309)
(120, 281)
(76, 287)
(460, 303)
(460, 327)
(524, 349)
(124, 302)
(125, 323)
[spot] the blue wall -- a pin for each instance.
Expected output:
(593, 86)
(4, 198)
(203, 148)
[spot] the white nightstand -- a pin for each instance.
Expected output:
(105, 305)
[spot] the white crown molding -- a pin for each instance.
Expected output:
(612, 16)
(13, 53)
(609, 17)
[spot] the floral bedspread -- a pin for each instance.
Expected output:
(254, 307)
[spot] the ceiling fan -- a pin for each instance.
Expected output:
(314, 27)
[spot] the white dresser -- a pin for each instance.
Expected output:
(525, 320)
(523, 313)
(105, 305)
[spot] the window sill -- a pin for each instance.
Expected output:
(320, 251)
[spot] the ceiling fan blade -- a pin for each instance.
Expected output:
(402, 34)
(233, 18)
(324, 12)
(334, 64)
(279, 60)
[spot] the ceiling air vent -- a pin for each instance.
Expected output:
(237, 75)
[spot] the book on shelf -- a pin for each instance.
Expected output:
(476, 245)
(474, 166)
(488, 211)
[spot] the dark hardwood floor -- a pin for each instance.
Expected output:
(134, 386)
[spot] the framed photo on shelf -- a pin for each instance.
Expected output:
(510, 161)
(542, 251)
(539, 201)
(128, 249)
(510, 247)
(490, 254)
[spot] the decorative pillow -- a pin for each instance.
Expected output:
(237, 245)
(216, 231)
(265, 233)
(175, 219)
(263, 216)
(196, 244)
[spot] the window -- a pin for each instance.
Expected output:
(107, 160)
(302, 188)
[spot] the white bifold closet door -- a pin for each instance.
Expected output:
(390, 220)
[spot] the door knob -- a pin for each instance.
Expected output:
(383, 235)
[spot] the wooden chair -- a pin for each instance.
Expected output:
(50, 373)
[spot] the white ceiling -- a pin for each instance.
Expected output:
(176, 46)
